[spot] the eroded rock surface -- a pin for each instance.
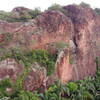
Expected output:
(9, 68)
(80, 29)
(84, 38)
(36, 78)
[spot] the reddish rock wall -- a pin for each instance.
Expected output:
(81, 26)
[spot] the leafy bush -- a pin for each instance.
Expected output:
(34, 13)
(28, 58)
(85, 5)
(72, 86)
(43, 58)
(26, 95)
(87, 96)
(54, 7)
(59, 46)
(59, 8)
(4, 84)
(22, 17)
(4, 15)
(97, 10)
(87, 89)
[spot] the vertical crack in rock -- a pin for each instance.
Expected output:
(73, 48)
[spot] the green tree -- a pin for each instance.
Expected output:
(97, 10)
(59, 8)
(85, 5)
(34, 13)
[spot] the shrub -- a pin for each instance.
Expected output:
(87, 89)
(24, 16)
(97, 10)
(72, 87)
(34, 13)
(85, 5)
(59, 8)
(4, 84)
(54, 7)
(87, 96)
(26, 95)
(59, 46)
(4, 15)
(43, 58)
(28, 58)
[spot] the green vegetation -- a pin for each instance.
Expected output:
(59, 46)
(34, 13)
(43, 58)
(3, 85)
(71, 59)
(97, 10)
(54, 7)
(81, 90)
(4, 15)
(28, 58)
(87, 89)
(58, 8)
(15, 93)
(21, 17)
(85, 5)
(24, 16)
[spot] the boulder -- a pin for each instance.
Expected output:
(36, 78)
(9, 68)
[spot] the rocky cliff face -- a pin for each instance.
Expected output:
(83, 37)
(80, 30)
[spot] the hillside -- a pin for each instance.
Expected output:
(39, 48)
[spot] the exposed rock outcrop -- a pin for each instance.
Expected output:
(9, 68)
(9, 27)
(20, 12)
(84, 38)
(64, 69)
(36, 78)
(80, 29)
